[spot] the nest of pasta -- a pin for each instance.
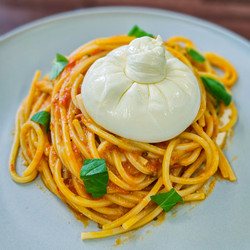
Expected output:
(136, 170)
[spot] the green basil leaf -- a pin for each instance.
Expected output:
(94, 174)
(196, 55)
(42, 117)
(137, 32)
(167, 200)
(58, 66)
(217, 89)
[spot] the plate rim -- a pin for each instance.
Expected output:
(122, 9)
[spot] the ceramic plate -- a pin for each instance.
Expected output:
(33, 218)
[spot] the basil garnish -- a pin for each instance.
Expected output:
(217, 89)
(58, 66)
(167, 200)
(94, 174)
(137, 32)
(196, 55)
(42, 117)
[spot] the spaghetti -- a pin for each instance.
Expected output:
(136, 170)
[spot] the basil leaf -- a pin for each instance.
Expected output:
(196, 55)
(42, 117)
(137, 32)
(58, 66)
(167, 200)
(217, 89)
(94, 174)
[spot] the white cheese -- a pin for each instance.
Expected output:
(141, 92)
(225, 118)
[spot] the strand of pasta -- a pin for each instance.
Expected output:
(211, 166)
(119, 200)
(137, 164)
(14, 152)
(165, 165)
(232, 121)
(225, 167)
(137, 208)
(120, 183)
(134, 181)
(40, 149)
(230, 74)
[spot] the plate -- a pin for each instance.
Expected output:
(33, 218)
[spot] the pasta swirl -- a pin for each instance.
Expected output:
(136, 170)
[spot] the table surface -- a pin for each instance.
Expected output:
(231, 14)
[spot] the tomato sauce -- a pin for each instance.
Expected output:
(64, 101)
(113, 188)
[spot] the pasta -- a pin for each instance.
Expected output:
(136, 170)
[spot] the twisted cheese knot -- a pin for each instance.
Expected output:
(146, 61)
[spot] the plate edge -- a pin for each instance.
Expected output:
(123, 9)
